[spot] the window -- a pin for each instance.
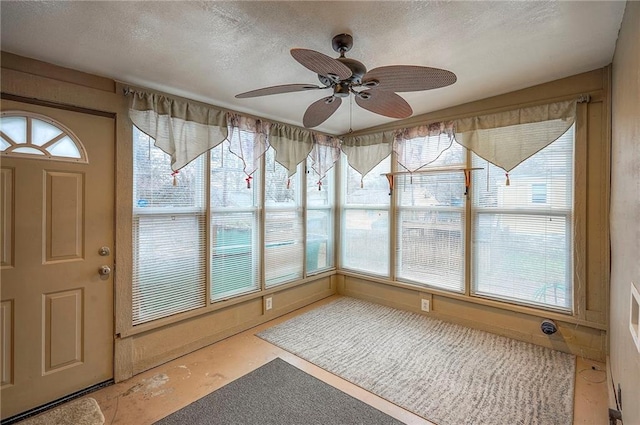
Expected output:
(365, 220)
(522, 232)
(235, 229)
(35, 136)
(200, 239)
(284, 238)
(320, 222)
(430, 224)
(169, 273)
(520, 246)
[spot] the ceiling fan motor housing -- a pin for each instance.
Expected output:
(357, 69)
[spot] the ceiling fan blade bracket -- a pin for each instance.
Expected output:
(333, 77)
(371, 83)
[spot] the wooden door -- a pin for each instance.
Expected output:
(56, 215)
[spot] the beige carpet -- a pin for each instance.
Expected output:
(446, 373)
(83, 411)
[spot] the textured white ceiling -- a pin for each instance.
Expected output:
(211, 51)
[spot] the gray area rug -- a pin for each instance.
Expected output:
(446, 373)
(278, 393)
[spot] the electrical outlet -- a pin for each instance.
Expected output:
(268, 303)
(425, 305)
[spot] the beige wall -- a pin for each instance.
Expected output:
(625, 210)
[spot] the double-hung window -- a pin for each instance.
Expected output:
(320, 220)
(284, 237)
(235, 226)
(169, 273)
(522, 232)
(365, 220)
(430, 244)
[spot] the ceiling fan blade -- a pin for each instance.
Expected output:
(285, 88)
(401, 78)
(384, 103)
(321, 64)
(320, 110)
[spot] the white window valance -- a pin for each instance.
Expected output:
(248, 140)
(292, 145)
(182, 129)
(325, 153)
(417, 147)
(365, 152)
(185, 130)
(505, 139)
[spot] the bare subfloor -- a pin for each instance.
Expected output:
(156, 393)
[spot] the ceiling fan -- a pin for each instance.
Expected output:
(374, 90)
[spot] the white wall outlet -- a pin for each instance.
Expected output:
(425, 305)
(268, 303)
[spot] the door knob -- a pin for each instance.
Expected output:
(104, 271)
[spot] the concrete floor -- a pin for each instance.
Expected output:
(156, 393)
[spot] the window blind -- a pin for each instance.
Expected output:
(169, 274)
(284, 237)
(365, 220)
(234, 258)
(168, 271)
(235, 234)
(320, 227)
(522, 232)
(284, 249)
(430, 220)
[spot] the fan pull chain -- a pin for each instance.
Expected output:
(350, 114)
(508, 182)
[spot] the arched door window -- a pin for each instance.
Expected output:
(28, 135)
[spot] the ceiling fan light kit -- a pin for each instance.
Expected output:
(374, 90)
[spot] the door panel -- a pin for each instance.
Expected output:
(57, 310)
